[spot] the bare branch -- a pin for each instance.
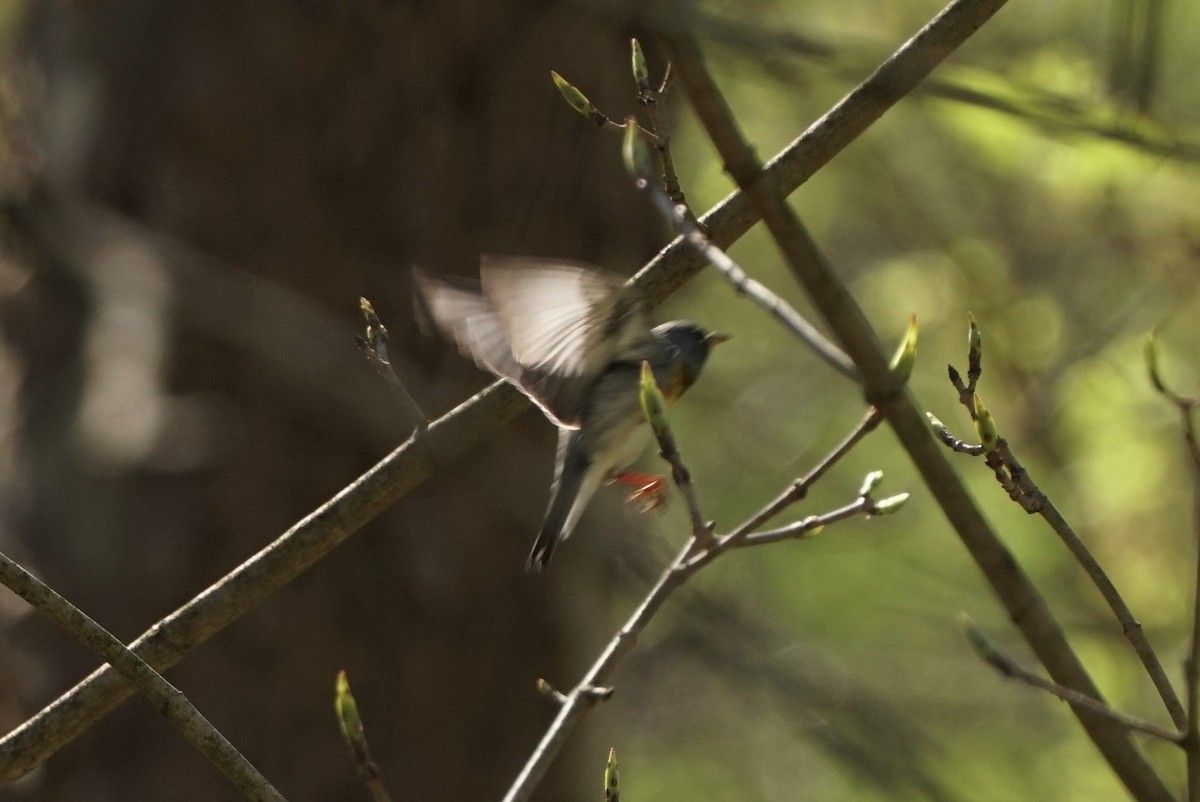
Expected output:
(1186, 407)
(595, 684)
(781, 310)
(1021, 488)
(950, 441)
(166, 698)
(1012, 669)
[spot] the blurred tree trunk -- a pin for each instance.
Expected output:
(324, 148)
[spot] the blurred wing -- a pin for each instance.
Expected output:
(565, 323)
(473, 323)
(563, 318)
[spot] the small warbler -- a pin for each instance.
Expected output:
(573, 339)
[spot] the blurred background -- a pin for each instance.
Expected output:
(195, 195)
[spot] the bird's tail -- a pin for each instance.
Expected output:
(573, 486)
(547, 539)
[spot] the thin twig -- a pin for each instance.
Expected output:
(950, 441)
(374, 347)
(1010, 668)
(1192, 665)
(807, 527)
(780, 309)
(804, 528)
(1022, 489)
(649, 97)
(1131, 628)
(655, 409)
(576, 704)
(798, 490)
(355, 736)
(1191, 668)
(885, 390)
(166, 698)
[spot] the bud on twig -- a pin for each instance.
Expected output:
(889, 505)
(906, 353)
(575, 99)
(1152, 364)
(612, 792)
(870, 482)
(347, 712)
(985, 427)
(641, 74)
(637, 153)
(974, 339)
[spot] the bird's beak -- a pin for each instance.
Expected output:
(716, 338)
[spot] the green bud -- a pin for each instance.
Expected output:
(985, 427)
(906, 354)
(641, 73)
(890, 504)
(377, 333)
(653, 405)
(575, 99)
(980, 642)
(1152, 363)
(636, 152)
(974, 352)
(347, 712)
(870, 482)
(611, 791)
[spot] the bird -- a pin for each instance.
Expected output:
(572, 337)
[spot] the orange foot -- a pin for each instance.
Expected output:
(650, 491)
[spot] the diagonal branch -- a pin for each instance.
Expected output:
(165, 697)
(884, 390)
(1011, 668)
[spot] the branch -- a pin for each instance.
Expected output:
(803, 529)
(226, 600)
(648, 97)
(781, 310)
(798, 490)
(845, 318)
(1187, 407)
(165, 697)
(1010, 668)
(700, 550)
(1021, 488)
